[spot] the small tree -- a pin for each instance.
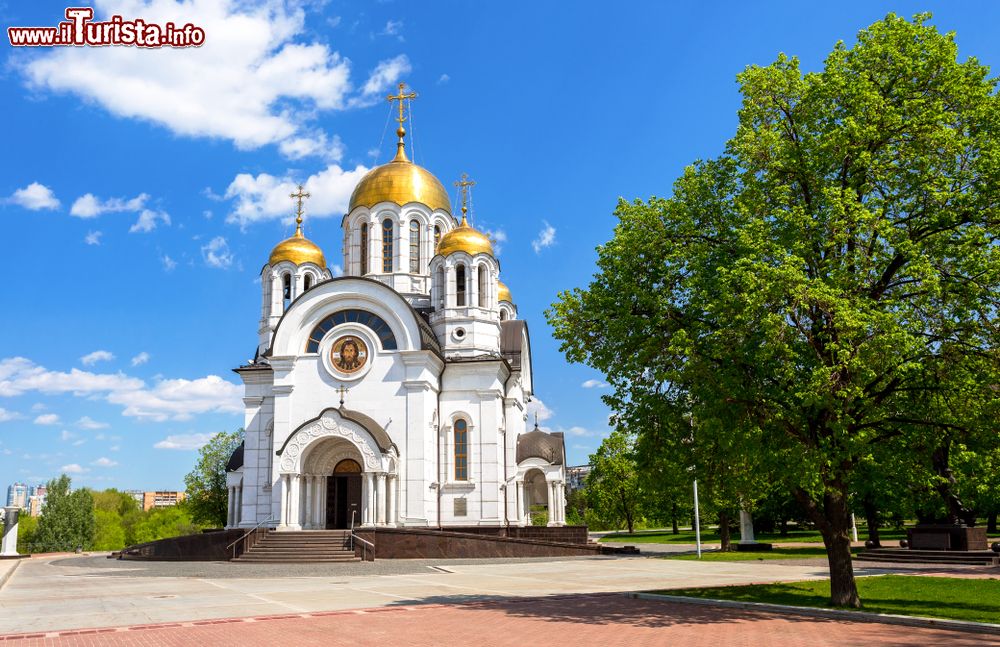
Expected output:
(207, 498)
(67, 520)
(613, 490)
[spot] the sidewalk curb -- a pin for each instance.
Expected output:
(833, 614)
(6, 576)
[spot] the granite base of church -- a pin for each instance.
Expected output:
(482, 542)
(946, 537)
(203, 547)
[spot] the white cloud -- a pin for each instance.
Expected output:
(336, 270)
(444, 78)
(90, 206)
(383, 77)
(393, 28)
(114, 448)
(140, 359)
(6, 416)
(166, 399)
(93, 238)
(34, 197)
(265, 197)
(216, 253)
(73, 468)
(66, 435)
(546, 238)
(104, 462)
(47, 419)
(97, 356)
(147, 221)
(255, 81)
(498, 237)
(594, 384)
(168, 263)
(537, 408)
(184, 442)
(86, 422)
(315, 144)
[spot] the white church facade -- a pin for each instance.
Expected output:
(394, 395)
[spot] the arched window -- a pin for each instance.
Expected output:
(286, 291)
(460, 285)
(307, 282)
(503, 315)
(376, 323)
(482, 286)
(461, 450)
(387, 245)
(437, 237)
(364, 248)
(414, 246)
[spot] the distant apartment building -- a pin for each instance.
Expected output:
(17, 494)
(35, 504)
(576, 477)
(161, 499)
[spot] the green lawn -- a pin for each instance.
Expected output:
(777, 553)
(937, 597)
(889, 537)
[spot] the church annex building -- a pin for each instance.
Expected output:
(394, 395)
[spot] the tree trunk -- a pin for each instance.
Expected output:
(673, 518)
(871, 517)
(724, 530)
(941, 461)
(784, 527)
(991, 522)
(834, 523)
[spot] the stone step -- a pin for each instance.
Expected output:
(293, 560)
(903, 556)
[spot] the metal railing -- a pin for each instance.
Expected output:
(366, 547)
(249, 539)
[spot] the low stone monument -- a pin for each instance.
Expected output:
(747, 542)
(8, 516)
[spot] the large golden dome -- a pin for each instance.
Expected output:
(400, 181)
(503, 292)
(298, 249)
(465, 239)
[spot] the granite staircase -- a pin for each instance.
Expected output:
(301, 547)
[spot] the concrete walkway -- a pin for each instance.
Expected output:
(46, 594)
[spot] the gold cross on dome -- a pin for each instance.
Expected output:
(464, 185)
(299, 195)
(402, 96)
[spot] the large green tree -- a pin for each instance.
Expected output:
(829, 283)
(613, 491)
(207, 496)
(67, 520)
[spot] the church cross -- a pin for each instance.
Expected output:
(299, 195)
(342, 391)
(464, 185)
(402, 96)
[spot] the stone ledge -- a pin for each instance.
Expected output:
(834, 614)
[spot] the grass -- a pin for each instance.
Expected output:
(936, 597)
(888, 537)
(777, 553)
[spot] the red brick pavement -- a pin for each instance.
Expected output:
(600, 620)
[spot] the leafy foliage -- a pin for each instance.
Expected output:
(67, 520)
(207, 497)
(823, 296)
(613, 491)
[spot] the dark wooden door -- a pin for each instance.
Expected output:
(343, 498)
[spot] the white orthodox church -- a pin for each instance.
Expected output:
(394, 395)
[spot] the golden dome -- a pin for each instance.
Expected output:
(400, 181)
(298, 249)
(465, 239)
(503, 292)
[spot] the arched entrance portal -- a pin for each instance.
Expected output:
(343, 495)
(536, 493)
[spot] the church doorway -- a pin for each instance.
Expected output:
(343, 495)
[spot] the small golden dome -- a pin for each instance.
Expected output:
(465, 239)
(400, 181)
(298, 249)
(503, 292)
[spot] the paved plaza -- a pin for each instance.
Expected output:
(418, 602)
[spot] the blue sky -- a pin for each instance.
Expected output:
(141, 190)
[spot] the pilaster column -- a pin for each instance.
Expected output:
(318, 521)
(239, 504)
(285, 493)
(229, 508)
(519, 501)
(307, 522)
(380, 498)
(368, 500)
(294, 505)
(391, 501)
